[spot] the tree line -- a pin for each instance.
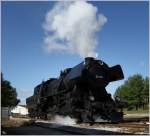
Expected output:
(135, 92)
(8, 94)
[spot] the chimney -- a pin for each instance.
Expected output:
(88, 60)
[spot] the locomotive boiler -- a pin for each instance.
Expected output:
(79, 92)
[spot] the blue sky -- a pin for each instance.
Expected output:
(123, 40)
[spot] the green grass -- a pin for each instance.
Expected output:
(136, 111)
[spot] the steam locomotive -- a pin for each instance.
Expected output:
(79, 92)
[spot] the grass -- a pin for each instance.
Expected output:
(17, 122)
(136, 111)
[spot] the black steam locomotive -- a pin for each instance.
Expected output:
(78, 92)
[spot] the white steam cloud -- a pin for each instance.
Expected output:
(72, 27)
(65, 120)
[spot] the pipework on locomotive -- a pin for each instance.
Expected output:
(79, 92)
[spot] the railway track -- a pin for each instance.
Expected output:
(127, 127)
(133, 125)
(80, 130)
(123, 124)
(47, 128)
(136, 119)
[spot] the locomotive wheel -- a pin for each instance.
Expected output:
(86, 118)
(80, 102)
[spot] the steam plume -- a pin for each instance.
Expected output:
(65, 120)
(72, 27)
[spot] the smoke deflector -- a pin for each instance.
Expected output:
(115, 73)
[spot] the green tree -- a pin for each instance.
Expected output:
(134, 91)
(121, 97)
(135, 86)
(145, 92)
(8, 94)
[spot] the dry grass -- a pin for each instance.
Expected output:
(17, 122)
(139, 128)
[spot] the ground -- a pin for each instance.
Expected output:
(33, 130)
(133, 124)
